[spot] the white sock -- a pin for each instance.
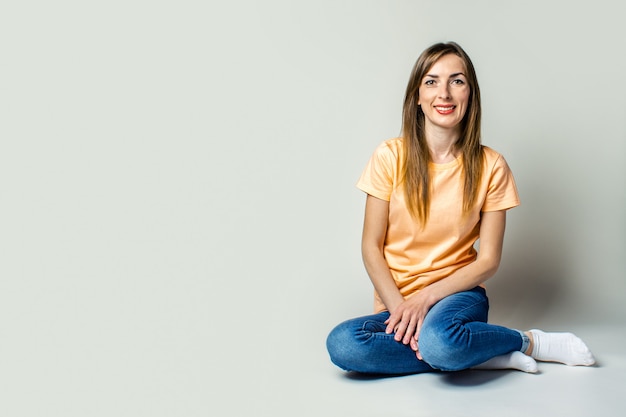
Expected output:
(513, 360)
(560, 347)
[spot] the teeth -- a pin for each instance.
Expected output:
(445, 108)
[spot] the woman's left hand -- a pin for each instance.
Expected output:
(407, 318)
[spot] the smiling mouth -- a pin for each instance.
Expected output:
(445, 109)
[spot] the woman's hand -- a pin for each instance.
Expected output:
(407, 318)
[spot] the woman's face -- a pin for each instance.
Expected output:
(444, 93)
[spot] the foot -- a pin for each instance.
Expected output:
(513, 360)
(560, 347)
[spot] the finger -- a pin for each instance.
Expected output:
(418, 328)
(410, 330)
(390, 327)
(392, 323)
(401, 329)
(413, 344)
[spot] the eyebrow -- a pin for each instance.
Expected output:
(456, 74)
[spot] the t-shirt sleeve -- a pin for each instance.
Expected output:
(502, 191)
(377, 177)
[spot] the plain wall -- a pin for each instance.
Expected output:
(180, 226)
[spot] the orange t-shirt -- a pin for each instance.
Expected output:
(420, 256)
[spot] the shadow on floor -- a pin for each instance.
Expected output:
(468, 378)
(474, 378)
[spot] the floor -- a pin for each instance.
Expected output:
(557, 390)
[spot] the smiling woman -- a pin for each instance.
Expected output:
(431, 194)
(443, 97)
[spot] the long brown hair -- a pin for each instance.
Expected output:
(416, 154)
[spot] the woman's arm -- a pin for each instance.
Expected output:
(486, 264)
(406, 320)
(374, 231)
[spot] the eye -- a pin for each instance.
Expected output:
(429, 82)
(458, 81)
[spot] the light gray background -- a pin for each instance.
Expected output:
(180, 227)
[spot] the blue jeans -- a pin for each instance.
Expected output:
(454, 336)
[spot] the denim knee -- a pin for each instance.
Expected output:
(443, 352)
(339, 343)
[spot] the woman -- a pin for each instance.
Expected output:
(431, 194)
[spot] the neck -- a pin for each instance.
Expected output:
(442, 145)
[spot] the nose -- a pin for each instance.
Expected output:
(444, 91)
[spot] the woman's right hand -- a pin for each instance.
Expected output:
(407, 318)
